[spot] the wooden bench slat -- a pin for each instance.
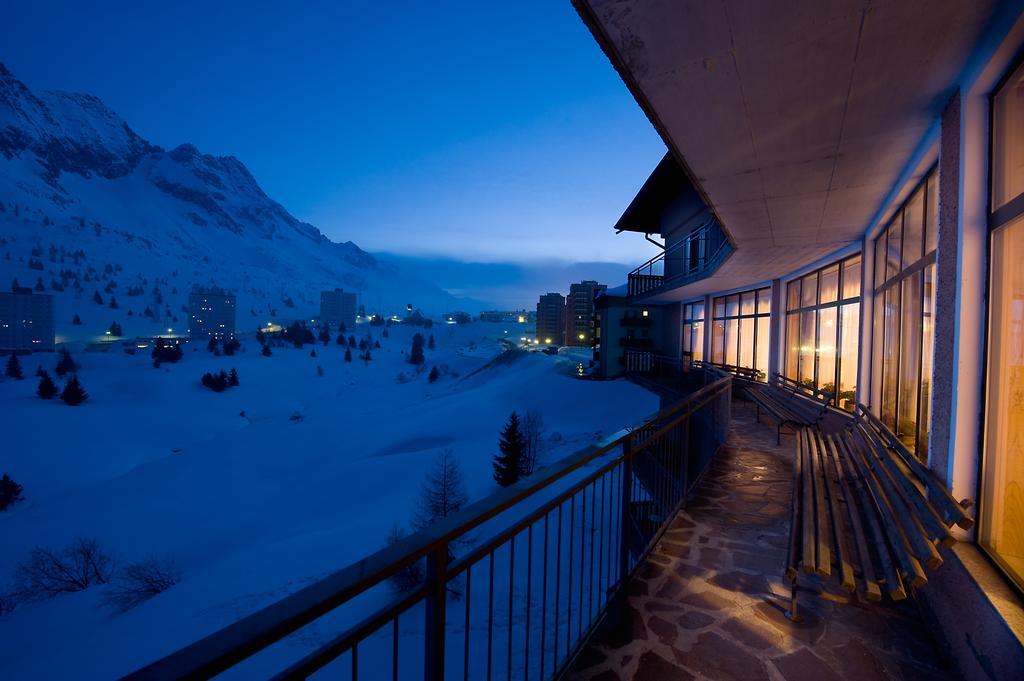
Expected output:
(809, 556)
(952, 510)
(901, 476)
(916, 535)
(843, 555)
(875, 537)
(823, 535)
(909, 567)
(852, 516)
(795, 527)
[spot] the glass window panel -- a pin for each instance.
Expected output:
(849, 332)
(764, 301)
(793, 295)
(851, 277)
(927, 350)
(892, 248)
(932, 215)
(747, 342)
(1002, 508)
(913, 229)
(732, 305)
(890, 314)
(1008, 141)
(827, 328)
(698, 311)
(880, 260)
(687, 311)
(806, 370)
(809, 290)
(829, 284)
(687, 340)
(747, 303)
(698, 340)
(910, 361)
(719, 308)
(731, 337)
(793, 346)
(877, 334)
(761, 351)
(717, 342)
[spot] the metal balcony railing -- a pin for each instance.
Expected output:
(514, 584)
(693, 258)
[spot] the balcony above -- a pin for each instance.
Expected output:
(690, 259)
(639, 322)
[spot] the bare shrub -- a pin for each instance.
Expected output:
(533, 434)
(139, 581)
(48, 573)
(410, 576)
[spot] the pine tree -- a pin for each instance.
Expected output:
(509, 463)
(434, 374)
(14, 283)
(211, 344)
(10, 492)
(325, 335)
(113, 303)
(348, 354)
(341, 339)
(233, 378)
(266, 351)
(13, 369)
(65, 365)
(409, 577)
(115, 329)
(430, 342)
(312, 353)
(416, 354)
(442, 493)
(74, 394)
(77, 321)
(365, 356)
(376, 345)
(351, 341)
(97, 298)
(47, 388)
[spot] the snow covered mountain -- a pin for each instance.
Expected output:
(90, 211)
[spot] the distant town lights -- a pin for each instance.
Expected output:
(645, 313)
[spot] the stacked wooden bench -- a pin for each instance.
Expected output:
(867, 511)
(788, 403)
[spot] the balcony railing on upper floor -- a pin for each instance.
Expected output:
(511, 586)
(693, 258)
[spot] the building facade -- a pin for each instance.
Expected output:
(579, 313)
(211, 315)
(551, 319)
(27, 321)
(874, 250)
(338, 307)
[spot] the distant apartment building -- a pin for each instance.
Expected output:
(338, 307)
(579, 313)
(514, 316)
(551, 319)
(26, 321)
(211, 314)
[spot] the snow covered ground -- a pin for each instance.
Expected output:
(259, 490)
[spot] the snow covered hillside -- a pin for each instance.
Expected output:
(255, 491)
(89, 209)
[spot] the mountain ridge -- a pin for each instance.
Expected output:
(75, 176)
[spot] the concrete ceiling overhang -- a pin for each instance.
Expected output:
(793, 119)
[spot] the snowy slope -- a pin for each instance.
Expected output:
(80, 191)
(254, 507)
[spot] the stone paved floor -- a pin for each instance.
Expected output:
(709, 601)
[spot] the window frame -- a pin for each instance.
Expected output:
(726, 317)
(838, 304)
(917, 267)
(1006, 214)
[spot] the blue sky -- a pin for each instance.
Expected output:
(477, 131)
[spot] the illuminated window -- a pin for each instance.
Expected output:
(903, 333)
(1002, 499)
(822, 329)
(693, 331)
(740, 328)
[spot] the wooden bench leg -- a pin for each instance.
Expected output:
(792, 615)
